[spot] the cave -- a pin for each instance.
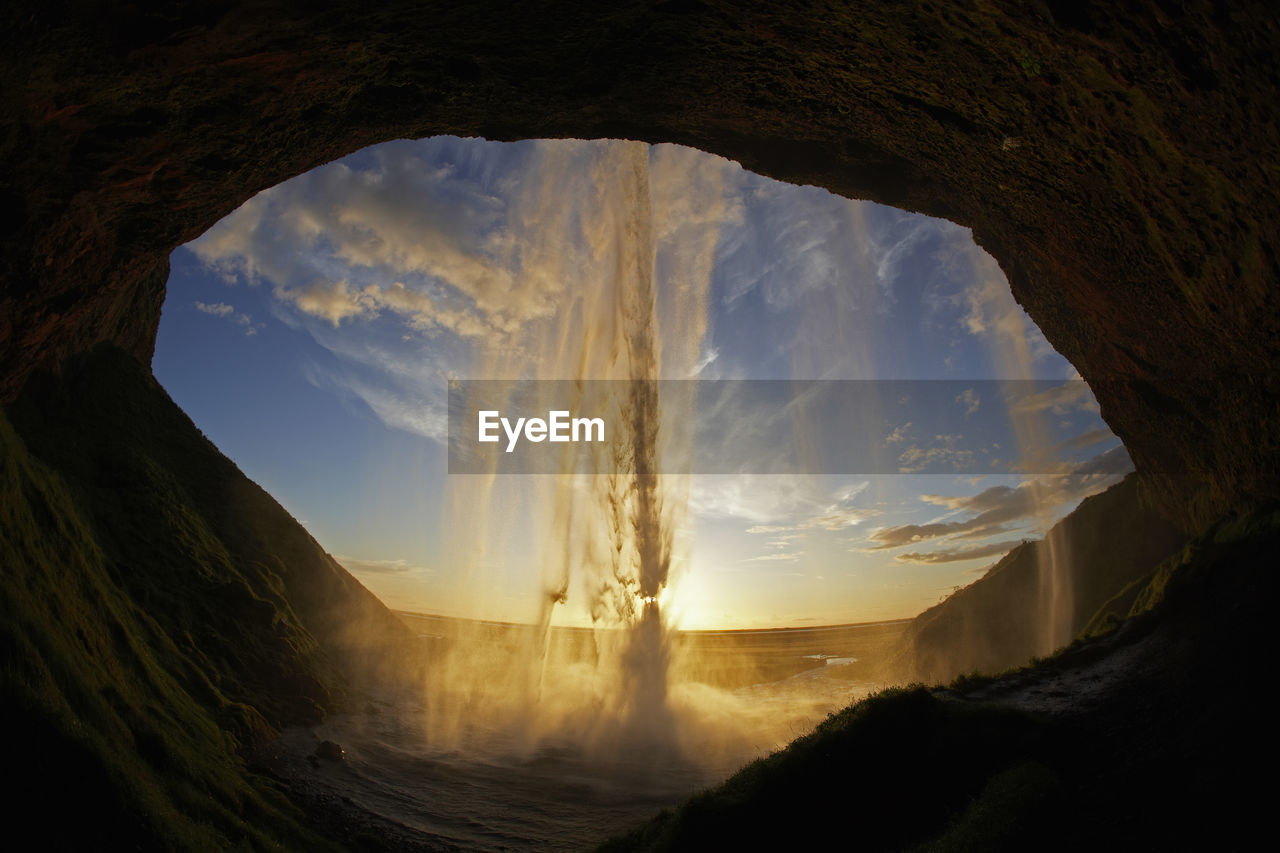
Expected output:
(1117, 162)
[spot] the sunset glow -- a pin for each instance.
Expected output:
(312, 332)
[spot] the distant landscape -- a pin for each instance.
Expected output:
(716, 658)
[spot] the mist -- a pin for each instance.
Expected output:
(550, 608)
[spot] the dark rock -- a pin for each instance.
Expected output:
(1137, 219)
(1004, 618)
(330, 751)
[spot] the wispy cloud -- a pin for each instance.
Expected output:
(955, 555)
(809, 509)
(899, 434)
(781, 557)
(471, 247)
(358, 566)
(1087, 439)
(338, 243)
(217, 309)
(993, 509)
(228, 312)
(835, 519)
(1060, 399)
(944, 454)
(708, 358)
(992, 313)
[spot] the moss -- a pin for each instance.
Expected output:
(1011, 803)
(1028, 62)
(108, 742)
(871, 755)
(1155, 762)
(144, 640)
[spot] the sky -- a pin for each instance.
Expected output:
(312, 333)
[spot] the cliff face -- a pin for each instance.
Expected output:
(1146, 738)
(1019, 609)
(160, 616)
(1120, 164)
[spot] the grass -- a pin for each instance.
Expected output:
(904, 756)
(1159, 761)
(160, 614)
(160, 617)
(103, 728)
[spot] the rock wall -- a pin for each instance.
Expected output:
(1120, 163)
(1010, 614)
(161, 619)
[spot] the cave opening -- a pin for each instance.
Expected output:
(1117, 164)
(312, 334)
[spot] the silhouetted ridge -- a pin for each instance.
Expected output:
(1002, 620)
(160, 614)
(1146, 738)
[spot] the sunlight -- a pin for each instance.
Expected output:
(591, 596)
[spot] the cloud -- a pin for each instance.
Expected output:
(804, 509)
(401, 381)
(1110, 465)
(944, 455)
(899, 433)
(955, 555)
(708, 358)
(337, 301)
(334, 301)
(995, 508)
(1072, 395)
(791, 242)
(839, 519)
(763, 558)
(338, 243)
(900, 246)
(835, 519)
(990, 313)
(784, 506)
(1087, 439)
(755, 498)
(358, 566)
(217, 309)
(476, 247)
(969, 400)
(227, 312)
(402, 409)
(909, 534)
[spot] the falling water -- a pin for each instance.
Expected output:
(616, 242)
(606, 542)
(598, 267)
(1011, 353)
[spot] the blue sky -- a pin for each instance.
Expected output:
(311, 334)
